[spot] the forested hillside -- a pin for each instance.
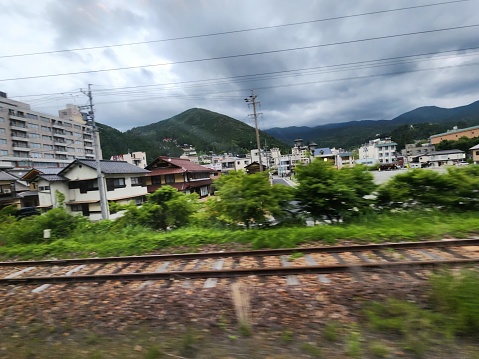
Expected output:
(205, 130)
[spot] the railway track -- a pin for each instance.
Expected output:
(404, 257)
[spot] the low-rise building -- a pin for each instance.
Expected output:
(441, 158)
(182, 174)
(78, 182)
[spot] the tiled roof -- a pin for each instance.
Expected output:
(4, 176)
(165, 171)
(52, 178)
(326, 151)
(187, 165)
(108, 167)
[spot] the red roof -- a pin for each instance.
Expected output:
(184, 164)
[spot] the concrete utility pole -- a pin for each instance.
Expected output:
(105, 212)
(252, 99)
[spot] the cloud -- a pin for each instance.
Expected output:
(331, 73)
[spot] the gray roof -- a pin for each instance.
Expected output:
(108, 167)
(52, 178)
(445, 152)
(4, 176)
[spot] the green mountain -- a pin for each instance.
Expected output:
(414, 125)
(205, 130)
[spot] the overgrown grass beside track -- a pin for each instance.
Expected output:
(104, 239)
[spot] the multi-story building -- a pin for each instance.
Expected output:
(377, 151)
(30, 138)
(455, 134)
(412, 150)
(135, 158)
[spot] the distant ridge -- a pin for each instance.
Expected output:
(352, 134)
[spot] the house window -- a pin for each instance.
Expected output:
(2, 130)
(136, 181)
(44, 188)
(169, 178)
(112, 183)
(477, 153)
(156, 180)
(76, 207)
(3, 141)
(3, 153)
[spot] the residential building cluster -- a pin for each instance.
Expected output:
(43, 155)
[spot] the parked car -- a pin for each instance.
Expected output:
(27, 212)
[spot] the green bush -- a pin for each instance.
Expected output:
(457, 297)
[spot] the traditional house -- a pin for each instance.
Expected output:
(179, 173)
(14, 192)
(78, 182)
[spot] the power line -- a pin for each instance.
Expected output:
(234, 31)
(243, 55)
(152, 89)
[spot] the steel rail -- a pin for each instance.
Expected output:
(230, 273)
(254, 253)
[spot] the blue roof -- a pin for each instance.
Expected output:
(322, 151)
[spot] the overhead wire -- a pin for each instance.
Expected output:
(244, 55)
(235, 31)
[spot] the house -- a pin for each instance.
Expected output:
(474, 152)
(254, 167)
(78, 182)
(441, 158)
(14, 192)
(234, 164)
(182, 174)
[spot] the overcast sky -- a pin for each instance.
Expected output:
(310, 62)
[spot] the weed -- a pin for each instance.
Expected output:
(353, 344)
(287, 336)
(331, 331)
(153, 353)
(295, 255)
(187, 346)
(378, 350)
(311, 349)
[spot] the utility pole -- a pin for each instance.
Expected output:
(105, 212)
(252, 99)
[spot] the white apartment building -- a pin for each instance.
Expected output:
(29, 138)
(135, 158)
(378, 151)
(269, 158)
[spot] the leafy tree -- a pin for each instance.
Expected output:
(457, 189)
(248, 198)
(464, 144)
(336, 194)
(166, 207)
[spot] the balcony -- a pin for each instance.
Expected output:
(17, 125)
(21, 148)
(22, 136)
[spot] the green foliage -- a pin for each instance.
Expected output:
(418, 328)
(464, 144)
(457, 189)
(60, 198)
(331, 331)
(379, 350)
(456, 296)
(243, 198)
(353, 343)
(30, 229)
(335, 194)
(166, 207)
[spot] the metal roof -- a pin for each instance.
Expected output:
(107, 167)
